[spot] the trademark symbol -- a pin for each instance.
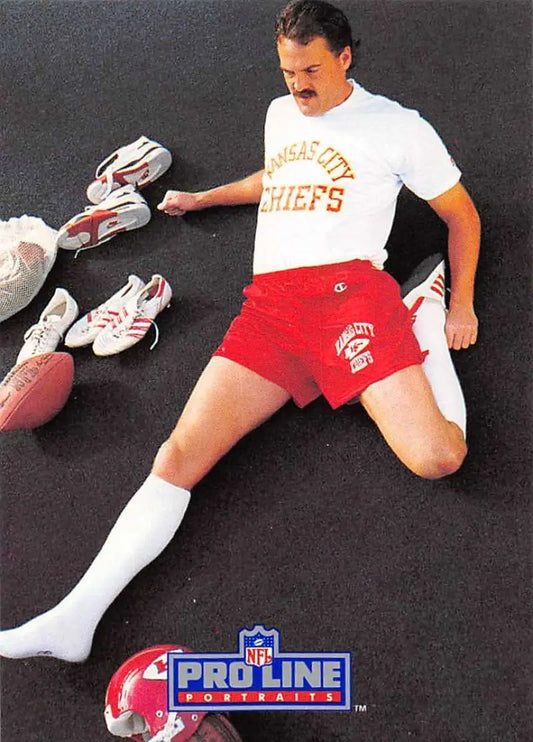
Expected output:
(360, 708)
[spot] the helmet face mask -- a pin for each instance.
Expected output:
(136, 700)
(128, 724)
(173, 726)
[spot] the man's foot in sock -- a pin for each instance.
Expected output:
(52, 634)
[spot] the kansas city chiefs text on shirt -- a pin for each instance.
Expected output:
(333, 161)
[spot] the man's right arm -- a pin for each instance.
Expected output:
(246, 191)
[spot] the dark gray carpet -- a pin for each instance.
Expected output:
(309, 525)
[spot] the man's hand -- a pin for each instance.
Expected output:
(461, 327)
(178, 203)
(245, 191)
(456, 209)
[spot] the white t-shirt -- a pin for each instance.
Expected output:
(331, 182)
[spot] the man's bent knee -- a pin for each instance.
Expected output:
(439, 463)
(173, 464)
(164, 455)
(187, 456)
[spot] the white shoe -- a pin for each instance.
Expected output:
(138, 163)
(56, 317)
(84, 331)
(135, 318)
(123, 210)
(426, 282)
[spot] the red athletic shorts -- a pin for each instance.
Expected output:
(330, 330)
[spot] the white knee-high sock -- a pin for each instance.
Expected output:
(438, 367)
(141, 532)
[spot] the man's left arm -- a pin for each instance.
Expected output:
(456, 209)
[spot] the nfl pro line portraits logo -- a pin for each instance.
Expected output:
(259, 678)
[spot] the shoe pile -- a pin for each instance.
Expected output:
(115, 325)
(118, 206)
(124, 319)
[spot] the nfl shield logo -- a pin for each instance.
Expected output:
(258, 646)
(258, 656)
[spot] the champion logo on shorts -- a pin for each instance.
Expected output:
(353, 342)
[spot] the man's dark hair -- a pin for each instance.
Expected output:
(303, 20)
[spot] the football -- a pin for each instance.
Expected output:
(35, 390)
(215, 728)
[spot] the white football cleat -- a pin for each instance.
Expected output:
(135, 318)
(426, 282)
(46, 334)
(138, 164)
(84, 331)
(123, 210)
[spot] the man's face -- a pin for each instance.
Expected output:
(315, 76)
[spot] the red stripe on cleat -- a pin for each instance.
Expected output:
(91, 224)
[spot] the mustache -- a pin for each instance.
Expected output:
(305, 94)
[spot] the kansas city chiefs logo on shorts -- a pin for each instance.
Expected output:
(352, 343)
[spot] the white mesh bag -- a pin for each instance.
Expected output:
(28, 250)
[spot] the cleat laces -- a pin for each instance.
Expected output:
(121, 327)
(39, 333)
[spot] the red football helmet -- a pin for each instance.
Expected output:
(136, 700)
